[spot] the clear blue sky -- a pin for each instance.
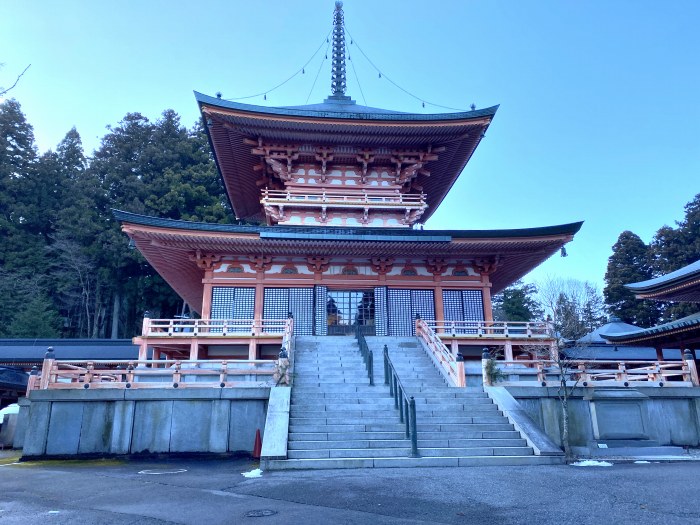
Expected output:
(599, 118)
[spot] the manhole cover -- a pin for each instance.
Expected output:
(260, 513)
(160, 471)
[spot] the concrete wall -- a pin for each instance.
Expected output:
(666, 416)
(144, 421)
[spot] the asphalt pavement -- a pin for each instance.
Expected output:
(194, 491)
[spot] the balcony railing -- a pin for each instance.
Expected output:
(343, 200)
(212, 327)
(492, 329)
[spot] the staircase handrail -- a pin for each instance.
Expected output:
(367, 355)
(405, 404)
(452, 365)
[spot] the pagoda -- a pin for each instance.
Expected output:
(330, 197)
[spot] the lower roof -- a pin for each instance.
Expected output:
(168, 245)
(685, 330)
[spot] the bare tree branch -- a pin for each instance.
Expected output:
(3, 91)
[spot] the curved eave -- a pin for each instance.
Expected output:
(230, 124)
(685, 330)
(680, 285)
(168, 245)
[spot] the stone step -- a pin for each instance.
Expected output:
(349, 427)
(332, 402)
(350, 453)
(339, 436)
(468, 461)
(456, 443)
(352, 416)
(468, 434)
(458, 427)
(453, 429)
(348, 444)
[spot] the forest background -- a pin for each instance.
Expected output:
(66, 269)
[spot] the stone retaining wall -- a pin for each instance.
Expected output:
(665, 416)
(143, 421)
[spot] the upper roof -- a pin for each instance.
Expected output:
(339, 124)
(681, 285)
(168, 246)
(333, 107)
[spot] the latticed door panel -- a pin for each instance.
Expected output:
(380, 311)
(229, 302)
(463, 305)
(321, 326)
(404, 305)
(279, 302)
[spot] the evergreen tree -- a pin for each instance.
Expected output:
(629, 263)
(674, 248)
(518, 302)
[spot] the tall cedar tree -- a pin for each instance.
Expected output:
(630, 262)
(518, 302)
(674, 248)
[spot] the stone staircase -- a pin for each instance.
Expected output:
(338, 421)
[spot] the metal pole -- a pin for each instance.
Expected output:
(414, 428)
(370, 368)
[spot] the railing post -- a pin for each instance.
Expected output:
(414, 427)
(146, 326)
(47, 368)
(692, 367)
(386, 365)
(31, 382)
(485, 356)
(461, 378)
(370, 364)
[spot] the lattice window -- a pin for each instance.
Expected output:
(403, 305)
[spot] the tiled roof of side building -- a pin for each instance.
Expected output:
(330, 232)
(679, 276)
(691, 322)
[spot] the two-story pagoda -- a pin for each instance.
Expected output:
(337, 189)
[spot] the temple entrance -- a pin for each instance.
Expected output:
(347, 309)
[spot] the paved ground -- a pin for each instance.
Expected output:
(215, 492)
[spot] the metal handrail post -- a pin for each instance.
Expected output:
(370, 364)
(386, 365)
(414, 428)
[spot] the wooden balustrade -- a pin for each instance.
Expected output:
(599, 373)
(120, 374)
(451, 365)
(169, 373)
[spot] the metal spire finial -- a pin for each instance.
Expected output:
(338, 65)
